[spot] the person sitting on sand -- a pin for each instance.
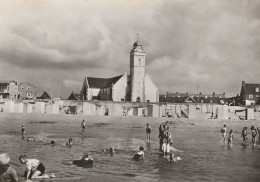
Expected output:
(7, 173)
(34, 168)
(173, 158)
(29, 139)
(244, 134)
(230, 137)
(139, 155)
(148, 132)
(223, 132)
(69, 143)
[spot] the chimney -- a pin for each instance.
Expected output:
(243, 83)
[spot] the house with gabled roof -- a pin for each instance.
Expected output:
(250, 93)
(136, 87)
(26, 91)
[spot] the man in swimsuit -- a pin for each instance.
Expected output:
(244, 134)
(83, 126)
(148, 132)
(223, 132)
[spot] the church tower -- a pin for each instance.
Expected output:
(137, 72)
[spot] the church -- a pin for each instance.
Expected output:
(136, 87)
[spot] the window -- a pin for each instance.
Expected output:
(139, 62)
(256, 89)
(22, 88)
(148, 100)
(122, 100)
(28, 88)
(250, 96)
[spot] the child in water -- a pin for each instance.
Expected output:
(230, 137)
(83, 126)
(244, 134)
(23, 131)
(34, 168)
(223, 132)
(173, 158)
(7, 173)
(148, 132)
(139, 155)
(254, 133)
(69, 143)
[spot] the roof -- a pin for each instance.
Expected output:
(45, 95)
(102, 82)
(26, 83)
(249, 88)
(7, 81)
(74, 96)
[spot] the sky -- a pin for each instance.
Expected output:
(211, 43)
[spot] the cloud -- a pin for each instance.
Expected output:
(213, 42)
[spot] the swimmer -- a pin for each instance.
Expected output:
(254, 134)
(173, 158)
(244, 134)
(29, 139)
(166, 142)
(52, 143)
(85, 157)
(148, 132)
(34, 168)
(139, 155)
(69, 143)
(111, 150)
(223, 132)
(83, 126)
(7, 173)
(230, 137)
(23, 131)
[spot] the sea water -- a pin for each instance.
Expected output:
(204, 158)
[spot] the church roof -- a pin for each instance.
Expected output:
(102, 82)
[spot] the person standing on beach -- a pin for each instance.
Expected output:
(244, 134)
(148, 132)
(7, 173)
(223, 132)
(83, 126)
(23, 131)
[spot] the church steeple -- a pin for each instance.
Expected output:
(137, 71)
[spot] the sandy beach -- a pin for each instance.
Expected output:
(126, 134)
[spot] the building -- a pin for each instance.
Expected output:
(8, 89)
(74, 96)
(193, 98)
(136, 87)
(45, 96)
(250, 94)
(26, 91)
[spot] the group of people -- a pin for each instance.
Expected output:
(35, 168)
(254, 132)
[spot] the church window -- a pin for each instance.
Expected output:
(256, 89)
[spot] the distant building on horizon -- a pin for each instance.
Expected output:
(44, 96)
(74, 96)
(8, 89)
(250, 93)
(136, 87)
(194, 98)
(26, 91)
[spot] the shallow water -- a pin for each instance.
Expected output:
(204, 158)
